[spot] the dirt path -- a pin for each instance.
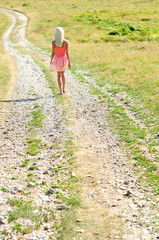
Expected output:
(114, 205)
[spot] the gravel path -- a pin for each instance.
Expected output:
(108, 178)
(30, 89)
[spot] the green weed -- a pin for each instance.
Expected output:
(17, 226)
(118, 29)
(34, 146)
(74, 201)
(26, 210)
(33, 167)
(3, 189)
(14, 178)
(32, 149)
(30, 179)
(38, 117)
(142, 160)
(4, 232)
(23, 165)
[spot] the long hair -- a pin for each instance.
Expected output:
(59, 36)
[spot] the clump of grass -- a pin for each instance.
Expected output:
(25, 163)
(118, 29)
(26, 210)
(23, 210)
(14, 202)
(69, 148)
(14, 178)
(33, 167)
(73, 201)
(17, 226)
(28, 229)
(32, 150)
(3, 189)
(34, 146)
(34, 140)
(30, 174)
(4, 232)
(38, 117)
(54, 146)
(142, 160)
(30, 179)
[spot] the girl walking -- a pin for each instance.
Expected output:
(60, 58)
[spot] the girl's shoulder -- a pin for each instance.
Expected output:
(53, 42)
(65, 42)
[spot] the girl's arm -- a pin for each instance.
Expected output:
(53, 52)
(69, 64)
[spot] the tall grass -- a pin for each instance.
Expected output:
(124, 64)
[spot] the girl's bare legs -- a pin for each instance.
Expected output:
(63, 81)
(59, 81)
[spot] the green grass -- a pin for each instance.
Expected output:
(33, 167)
(26, 210)
(66, 229)
(3, 189)
(4, 232)
(133, 137)
(14, 202)
(17, 226)
(68, 184)
(30, 179)
(32, 149)
(34, 146)
(119, 30)
(5, 74)
(124, 67)
(25, 163)
(142, 160)
(23, 210)
(38, 117)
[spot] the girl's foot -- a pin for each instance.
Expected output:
(61, 93)
(64, 91)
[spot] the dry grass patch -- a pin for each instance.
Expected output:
(6, 67)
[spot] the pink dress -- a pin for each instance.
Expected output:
(60, 61)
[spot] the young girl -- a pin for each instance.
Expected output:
(60, 57)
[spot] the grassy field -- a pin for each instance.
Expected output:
(4, 69)
(118, 40)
